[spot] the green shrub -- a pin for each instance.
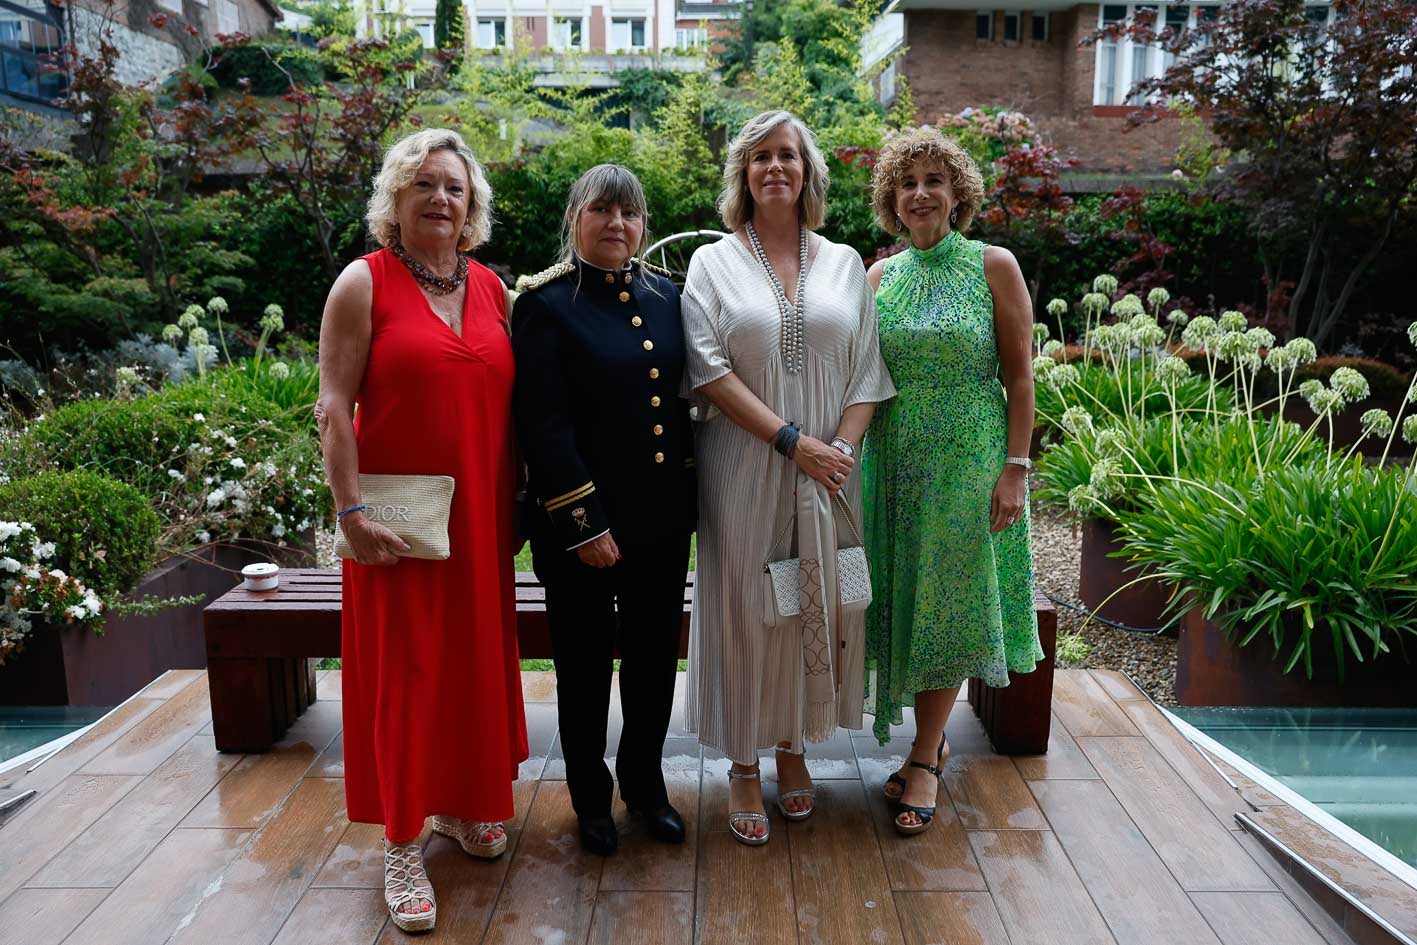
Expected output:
(263, 63)
(104, 532)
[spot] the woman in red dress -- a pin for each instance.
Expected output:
(415, 335)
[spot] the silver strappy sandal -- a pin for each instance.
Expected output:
(752, 816)
(406, 881)
(470, 836)
(785, 796)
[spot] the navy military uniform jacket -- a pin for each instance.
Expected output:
(607, 440)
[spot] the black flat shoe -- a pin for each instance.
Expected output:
(664, 823)
(598, 835)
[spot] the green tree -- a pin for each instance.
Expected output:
(448, 25)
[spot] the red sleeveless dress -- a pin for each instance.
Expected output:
(433, 718)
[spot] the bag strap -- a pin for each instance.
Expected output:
(850, 522)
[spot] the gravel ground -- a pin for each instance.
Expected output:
(1150, 661)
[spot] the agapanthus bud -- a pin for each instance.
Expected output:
(1110, 442)
(1233, 321)
(1053, 348)
(1409, 428)
(217, 305)
(1145, 332)
(1157, 297)
(1075, 419)
(1199, 332)
(1106, 478)
(1064, 375)
(1325, 401)
(1105, 283)
(1177, 317)
(1348, 382)
(1058, 308)
(1040, 333)
(280, 370)
(1043, 366)
(1412, 333)
(1094, 304)
(1261, 337)
(1376, 422)
(1304, 350)
(1233, 346)
(1127, 305)
(171, 333)
(1083, 501)
(1171, 369)
(197, 336)
(189, 318)
(126, 376)
(1310, 387)
(273, 319)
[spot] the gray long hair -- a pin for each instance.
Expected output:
(604, 183)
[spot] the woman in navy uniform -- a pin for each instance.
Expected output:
(611, 493)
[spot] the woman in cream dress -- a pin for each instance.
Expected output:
(783, 361)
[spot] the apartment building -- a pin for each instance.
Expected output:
(959, 55)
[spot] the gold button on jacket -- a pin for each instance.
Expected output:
(654, 401)
(658, 430)
(624, 296)
(659, 457)
(649, 345)
(637, 321)
(653, 372)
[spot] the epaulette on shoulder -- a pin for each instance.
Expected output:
(545, 276)
(657, 270)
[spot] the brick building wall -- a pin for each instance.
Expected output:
(1051, 81)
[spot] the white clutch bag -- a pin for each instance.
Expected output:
(853, 576)
(415, 508)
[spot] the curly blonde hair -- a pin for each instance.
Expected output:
(925, 143)
(401, 164)
(735, 204)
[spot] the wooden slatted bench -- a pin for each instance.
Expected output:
(261, 647)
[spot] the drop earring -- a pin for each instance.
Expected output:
(954, 216)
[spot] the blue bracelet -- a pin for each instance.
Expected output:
(339, 516)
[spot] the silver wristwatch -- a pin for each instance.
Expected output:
(1023, 461)
(844, 445)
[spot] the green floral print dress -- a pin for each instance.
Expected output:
(950, 600)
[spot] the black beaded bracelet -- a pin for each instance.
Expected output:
(785, 442)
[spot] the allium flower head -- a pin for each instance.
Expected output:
(1145, 331)
(1043, 366)
(1064, 375)
(1040, 333)
(1348, 382)
(1075, 419)
(1110, 442)
(1177, 317)
(1199, 332)
(1376, 422)
(188, 319)
(1106, 284)
(280, 370)
(1058, 308)
(1171, 369)
(217, 305)
(1053, 348)
(1304, 351)
(1233, 321)
(273, 319)
(1310, 387)
(1325, 401)
(1262, 337)
(1281, 359)
(1409, 428)
(1127, 305)
(1157, 297)
(171, 333)
(1234, 346)
(197, 336)
(1094, 304)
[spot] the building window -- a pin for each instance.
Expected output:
(566, 32)
(29, 39)
(695, 38)
(1039, 22)
(887, 93)
(491, 34)
(425, 29)
(627, 34)
(228, 17)
(1011, 27)
(984, 24)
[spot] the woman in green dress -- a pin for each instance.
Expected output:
(945, 468)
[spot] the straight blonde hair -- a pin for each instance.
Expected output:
(735, 203)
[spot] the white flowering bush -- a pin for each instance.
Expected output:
(31, 587)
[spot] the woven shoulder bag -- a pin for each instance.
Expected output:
(415, 508)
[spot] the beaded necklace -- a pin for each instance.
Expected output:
(426, 277)
(791, 312)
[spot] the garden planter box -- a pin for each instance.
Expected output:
(65, 665)
(1140, 605)
(1212, 671)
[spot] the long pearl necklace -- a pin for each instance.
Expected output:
(791, 312)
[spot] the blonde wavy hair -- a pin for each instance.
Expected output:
(735, 204)
(401, 164)
(925, 143)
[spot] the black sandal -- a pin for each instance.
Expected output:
(926, 814)
(898, 778)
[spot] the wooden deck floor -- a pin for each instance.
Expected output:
(142, 833)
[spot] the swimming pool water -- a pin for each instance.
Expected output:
(1359, 765)
(23, 728)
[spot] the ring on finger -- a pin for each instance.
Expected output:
(837, 477)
